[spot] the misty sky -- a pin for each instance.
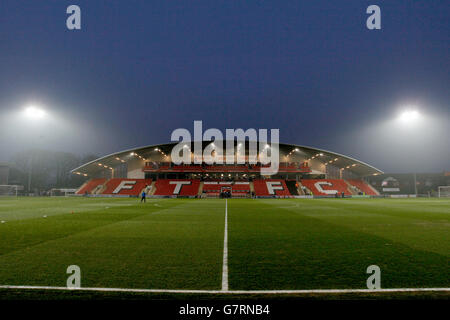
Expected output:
(137, 70)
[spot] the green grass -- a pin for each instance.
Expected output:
(178, 243)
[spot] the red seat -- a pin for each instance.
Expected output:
(326, 187)
(90, 186)
(119, 186)
(363, 186)
(177, 187)
(212, 187)
(240, 187)
(271, 187)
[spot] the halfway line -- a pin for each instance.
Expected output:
(225, 252)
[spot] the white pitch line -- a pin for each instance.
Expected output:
(324, 291)
(225, 251)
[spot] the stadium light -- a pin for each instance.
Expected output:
(409, 117)
(34, 113)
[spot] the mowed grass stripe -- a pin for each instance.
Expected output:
(399, 222)
(420, 209)
(12, 209)
(28, 232)
(178, 249)
(273, 244)
(271, 248)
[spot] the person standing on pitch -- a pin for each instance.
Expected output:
(143, 195)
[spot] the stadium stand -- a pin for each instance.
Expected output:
(177, 187)
(271, 187)
(294, 167)
(117, 186)
(292, 186)
(363, 187)
(238, 188)
(186, 167)
(170, 167)
(243, 188)
(89, 186)
(211, 188)
(326, 187)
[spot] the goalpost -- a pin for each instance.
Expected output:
(444, 191)
(9, 190)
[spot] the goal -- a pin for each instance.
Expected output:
(7, 190)
(444, 191)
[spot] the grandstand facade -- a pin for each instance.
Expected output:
(303, 171)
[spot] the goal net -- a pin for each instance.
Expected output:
(10, 190)
(444, 191)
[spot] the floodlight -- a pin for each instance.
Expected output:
(409, 116)
(33, 112)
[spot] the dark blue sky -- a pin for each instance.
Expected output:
(140, 69)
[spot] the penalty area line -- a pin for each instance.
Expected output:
(323, 291)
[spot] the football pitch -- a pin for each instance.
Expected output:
(214, 244)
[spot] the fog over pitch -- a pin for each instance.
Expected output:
(134, 72)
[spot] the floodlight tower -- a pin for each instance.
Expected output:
(411, 117)
(34, 114)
